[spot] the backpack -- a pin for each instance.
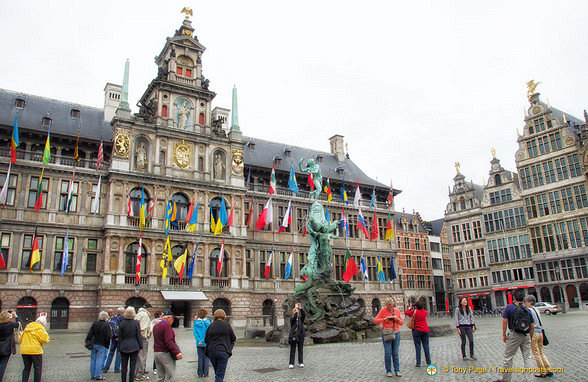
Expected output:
(113, 322)
(521, 320)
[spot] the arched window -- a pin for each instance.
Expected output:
(462, 203)
(376, 306)
(222, 303)
(267, 310)
(136, 302)
(59, 313)
(557, 294)
(135, 195)
(26, 309)
(182, 205)
(545, 295)
(497, 180)
(131, 259)
(201, 118)
(216, 205)
(177, 252)
(164, 111)
(184, 66)
(214, 262)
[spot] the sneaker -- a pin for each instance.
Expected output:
(155, 371)
(465, 358)
(290, 366)
(389, 374)
(301, 365)
(398, 374)
(417, 365)
(473, 358)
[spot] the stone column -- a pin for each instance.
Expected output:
(106, 255)
(232, 255)
(121, 256)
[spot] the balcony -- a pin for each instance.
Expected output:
(221, 283)
(134, 222)
(175, 280)
(130, 279)
(63, 160)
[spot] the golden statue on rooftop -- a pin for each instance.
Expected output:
(493, 151)
(531, 85)
(457, 165)
(187, 11)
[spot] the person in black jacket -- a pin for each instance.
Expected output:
(130, 343)
(8, 323)
(101, 333)
(297, 334)
(219, 340)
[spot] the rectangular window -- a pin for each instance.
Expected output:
(407, 243)
(580, 192)
(581, 268)
(555, 202)
(437, 263)
(549, 172)
(537, 175)
(467, 233)
(455, 233)
(33, 186)
(541, 272)
(539, 124)
(574, 165)
(483, 280)
(5, 247)
(567, 269)
(461, 283)
(408, 261)
(532, 148)
(179, 71)
(568, 199)
(473, 282)
(555, 141)
(11, 188)
(544, 145)
(470, 259)
(27, 249)
(419, 261)
(542, 205)
(554, 274)
(91, 256)
(64, 192)
(525, 178)
(59, 249)
(189, 73)
(459, 261)
(481, 257)
(561, 168)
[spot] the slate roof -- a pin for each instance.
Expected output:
(436, 226)
(398, 221)
(29, 118)
(265, 152)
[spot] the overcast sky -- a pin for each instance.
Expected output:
(414, 86)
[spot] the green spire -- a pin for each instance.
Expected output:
(124, 99)
(235, 111)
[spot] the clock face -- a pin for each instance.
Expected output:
(121, 144)
(495, 167)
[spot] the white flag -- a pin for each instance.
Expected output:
(96, 201)
(4, 192)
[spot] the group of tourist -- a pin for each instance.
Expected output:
(31, 339)
(521, 327)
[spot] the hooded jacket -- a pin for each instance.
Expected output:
(200, 326)
(32, 339)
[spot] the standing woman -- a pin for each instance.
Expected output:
(130, 342)
(201, 323)
(297, 334)
(32, 339)
(537, 340)
(102, 334)
(219, 340)
(466, 327)
(8, 324)
(420, 332)
(390, 319)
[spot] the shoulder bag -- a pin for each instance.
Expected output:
(410, 324)
(17, 334)
(545, 340)
(90, 343)
(389, 334)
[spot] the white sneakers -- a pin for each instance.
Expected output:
(291, 367)
(301, 365)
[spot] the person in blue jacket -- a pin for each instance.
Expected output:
(201, 323)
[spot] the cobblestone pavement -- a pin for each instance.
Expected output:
(66, 359)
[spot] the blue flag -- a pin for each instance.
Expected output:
(289, 264)
(292, 185)
(249, 175)
(381, 274)
(327, 214)
(224, 219)
(191, 266)
(364, 269)
(392, 271)
(168, 214)
(373, 200)
(65, 257)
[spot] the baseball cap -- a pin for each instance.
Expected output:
(167, 313)
(147, 305)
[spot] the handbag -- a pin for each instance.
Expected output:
(410, 324)
(17, 334)
(90, 343)
(389, 334)
(545, 340)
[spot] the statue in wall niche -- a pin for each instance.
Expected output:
(219, 167)
(141, 157)
(183, 113)
(315, 170)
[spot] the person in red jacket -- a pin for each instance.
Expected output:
(166, 350)
(390, 318)
(420, 333)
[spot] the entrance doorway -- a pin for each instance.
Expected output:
(27, 309)
(136, 302)
(59, 313)
(180, 309)
(572, 296)
(268, 313)
(224, 304)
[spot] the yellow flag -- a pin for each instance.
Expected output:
(180, 263)
(218, 229)
(212, 225)
(165, 257)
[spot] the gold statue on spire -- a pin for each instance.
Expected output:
(493, 151)
(457, 167)
(531, 85)
(187, 11)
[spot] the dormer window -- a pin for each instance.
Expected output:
(319, 158)
(46, 122)
(251, 146)
(20, 103)
(287, 152)
(278, 160)
(340, 170)
(75, 113)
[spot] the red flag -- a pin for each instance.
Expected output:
(446, 304)
(230, 219)
(311, 181)
(130, 210)
(390, 198)
(272, 185)
(265, 218)
(250, 213)
(470, 302)
(509, 296)
(350, 267)
(190, 210)
(100, 155)
(138, 275)
(375, 230)
(2, 263)
(268, 264)
(221, 255)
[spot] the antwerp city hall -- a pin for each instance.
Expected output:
(74, 247)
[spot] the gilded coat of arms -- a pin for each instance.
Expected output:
(122, 142)
(182, 154)
(237, 165)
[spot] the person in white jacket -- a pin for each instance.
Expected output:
(144, 318)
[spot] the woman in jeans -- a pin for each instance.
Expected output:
(102, 334)
(219, 340)
(466, 327)
(130, 342)
(537, 340)
(201, 324)
(8, 324)
(390, 318)
(420, 333)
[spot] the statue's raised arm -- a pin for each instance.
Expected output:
(315, 170)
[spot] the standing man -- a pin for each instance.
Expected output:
(144, 318)
(166, 350)
(114, 323)
(517, 318)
